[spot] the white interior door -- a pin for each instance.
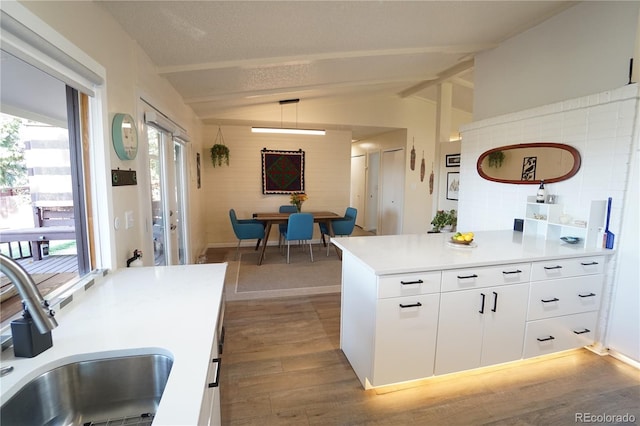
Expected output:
(358, 196)
(373, 183)
(392, 181)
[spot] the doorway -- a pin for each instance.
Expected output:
(392, 201)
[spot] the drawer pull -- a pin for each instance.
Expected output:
(553, 267)
(517, 271)
(413, 305)
(495, 302)
(586, 295)
(482, 304)
(216, 382)
(411, 282)
(555, 299)
(588, 263)
(586, 330)
(464, 277)
(546, 339)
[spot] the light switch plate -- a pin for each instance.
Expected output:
(128, 219)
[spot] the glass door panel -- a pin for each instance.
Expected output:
(157, 199)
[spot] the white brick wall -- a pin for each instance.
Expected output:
(600, 126)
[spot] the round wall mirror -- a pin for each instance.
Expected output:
(529, 163)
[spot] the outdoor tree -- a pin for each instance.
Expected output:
(13, 168)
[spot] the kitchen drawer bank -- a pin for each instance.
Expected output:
(172, 310)
(413, 306)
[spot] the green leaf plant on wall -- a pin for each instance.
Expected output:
(496, 159)
(219, 151)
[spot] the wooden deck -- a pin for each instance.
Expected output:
(49, 273)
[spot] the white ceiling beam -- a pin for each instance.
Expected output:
(443, 76)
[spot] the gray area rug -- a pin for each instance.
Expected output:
(276, 274)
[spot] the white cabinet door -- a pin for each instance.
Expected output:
(481, 327)
(459, 331)
(504, 324)
(405, 338)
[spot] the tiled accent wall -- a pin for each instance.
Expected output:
(600, 126)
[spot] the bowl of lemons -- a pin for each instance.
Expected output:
(464, 238)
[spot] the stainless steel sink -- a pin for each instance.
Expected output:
(97, 392)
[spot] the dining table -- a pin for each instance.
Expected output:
(276, 218)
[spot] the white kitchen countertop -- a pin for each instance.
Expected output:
(170, 310)
(392, 254)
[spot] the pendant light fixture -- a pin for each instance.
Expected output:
(288, 131)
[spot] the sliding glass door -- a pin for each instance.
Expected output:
(167, 171)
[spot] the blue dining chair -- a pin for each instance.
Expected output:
(299, 228)
(246, 229)
(341, 227)
(289, 208)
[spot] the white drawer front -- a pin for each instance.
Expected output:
(468, 278)
(565, 296)
(558, 334)
(408, 284)
(567, 268)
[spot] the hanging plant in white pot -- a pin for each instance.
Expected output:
(219, 151)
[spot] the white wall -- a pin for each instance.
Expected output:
(584, 50)
(239, 185)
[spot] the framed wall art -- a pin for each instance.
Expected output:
(452, 160)
(453, 185)
(282, 171)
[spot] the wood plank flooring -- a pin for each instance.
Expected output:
(282, 365)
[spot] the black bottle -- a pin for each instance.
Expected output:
(540, 195)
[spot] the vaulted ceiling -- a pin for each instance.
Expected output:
(222, 55)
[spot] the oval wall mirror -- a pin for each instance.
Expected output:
(529, 163)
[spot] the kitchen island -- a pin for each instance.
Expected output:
(414, 306)
(172, 311)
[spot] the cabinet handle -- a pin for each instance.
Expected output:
(482, 305)
(546, 339)
(411, 282)
(588, 263)
(413, 305)
(586, 295)
(495, 301)
(555, 299)
(553, 267)
(586, 330)
(216, 382)
(462, 277)
(517, 271)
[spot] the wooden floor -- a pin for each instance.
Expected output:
(282, 365)
(49, 273)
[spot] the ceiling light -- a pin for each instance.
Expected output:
(288, 131)
(283, 130)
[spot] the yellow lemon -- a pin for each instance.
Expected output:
(468, 238)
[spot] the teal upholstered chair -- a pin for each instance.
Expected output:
(299, 228)
(341, 227)
(288, 208)
(246, 229)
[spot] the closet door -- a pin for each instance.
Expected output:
(392, 176)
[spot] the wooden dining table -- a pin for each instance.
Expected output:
(275, 218)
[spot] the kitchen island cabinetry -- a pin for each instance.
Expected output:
(417, 305)
(563, 304)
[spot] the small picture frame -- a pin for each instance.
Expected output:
(198, 179)
(453, 185)
(452, 160)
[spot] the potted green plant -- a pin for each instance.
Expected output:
(444, 218)
(219, 154)
(496, 158)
